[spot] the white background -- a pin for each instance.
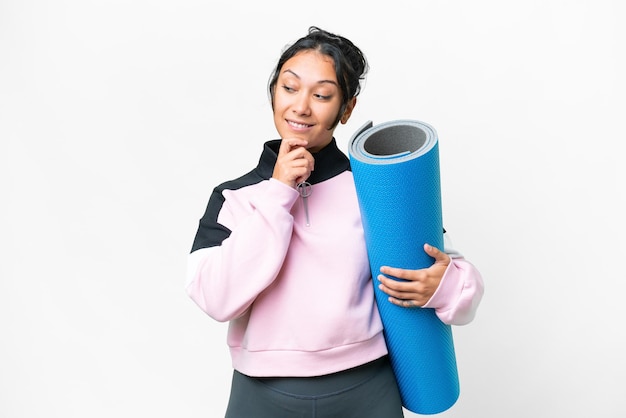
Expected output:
(118, 117)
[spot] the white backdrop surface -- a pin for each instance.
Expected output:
(118, 117)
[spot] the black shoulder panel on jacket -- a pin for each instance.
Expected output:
(210, 232)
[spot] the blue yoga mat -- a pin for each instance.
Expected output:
(396, 173)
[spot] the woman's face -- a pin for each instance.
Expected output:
(307, 99)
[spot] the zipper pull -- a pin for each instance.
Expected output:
(305, 189)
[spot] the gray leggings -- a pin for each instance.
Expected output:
(368, 391)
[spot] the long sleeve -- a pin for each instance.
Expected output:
(461, 289)
(225, 276)
(282, 270)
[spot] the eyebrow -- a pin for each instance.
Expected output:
(333, 82)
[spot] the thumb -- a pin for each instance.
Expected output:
(439, 256)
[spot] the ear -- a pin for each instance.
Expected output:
(348, 111)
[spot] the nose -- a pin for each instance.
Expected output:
(301, 105)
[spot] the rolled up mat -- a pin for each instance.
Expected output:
(396, 173)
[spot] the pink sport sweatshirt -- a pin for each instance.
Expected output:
(299, 298)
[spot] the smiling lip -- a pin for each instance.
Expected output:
(298, 125)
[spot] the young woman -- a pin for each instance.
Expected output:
(280, 254)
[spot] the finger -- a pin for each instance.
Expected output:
(402, 296)
(439, 256)
(397, 272)
(308, 157)
(302, 174)
(291, 143)
(300, 155)
(418, 291)
(288, 144)
(303, 160)
(394, 285)
(399, 292)
(405, 303)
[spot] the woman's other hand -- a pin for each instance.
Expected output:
(419, 285)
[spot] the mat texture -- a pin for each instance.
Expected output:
(396, 172)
